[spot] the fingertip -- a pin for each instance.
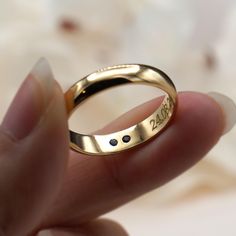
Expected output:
(200, 116)
(30, 102)
(228, 108)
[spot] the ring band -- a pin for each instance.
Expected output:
(134, 135)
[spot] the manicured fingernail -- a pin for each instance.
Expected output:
(228, 107)
(30, 101)
(43, 74)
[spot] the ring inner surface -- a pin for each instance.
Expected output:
(124, 139)
(127, 138)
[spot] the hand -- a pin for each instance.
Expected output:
(43, 185)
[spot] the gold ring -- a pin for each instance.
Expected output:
(134, 135)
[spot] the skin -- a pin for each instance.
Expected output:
(44, 185)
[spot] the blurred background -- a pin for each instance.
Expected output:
(193, 41)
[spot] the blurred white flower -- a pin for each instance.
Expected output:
(103, 16)
(159, 34)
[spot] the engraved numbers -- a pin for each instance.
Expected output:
(162, 115)
(154, 124)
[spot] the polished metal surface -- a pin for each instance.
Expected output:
(134, 135)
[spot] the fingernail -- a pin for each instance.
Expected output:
(228, 107)
(30, 101)
(43, 74)
(45, 233)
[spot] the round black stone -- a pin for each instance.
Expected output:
(126, 138)
(113, 142)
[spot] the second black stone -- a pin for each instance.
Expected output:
(126, 138)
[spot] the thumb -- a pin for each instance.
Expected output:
(33, 152)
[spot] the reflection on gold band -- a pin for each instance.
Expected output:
(134, 135)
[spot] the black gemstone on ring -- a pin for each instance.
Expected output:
(126, 138)
(113, 142)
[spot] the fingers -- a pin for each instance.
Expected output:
(101, 227)
(95, 185)
(33, 152)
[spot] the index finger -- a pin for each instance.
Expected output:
(95, 185)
